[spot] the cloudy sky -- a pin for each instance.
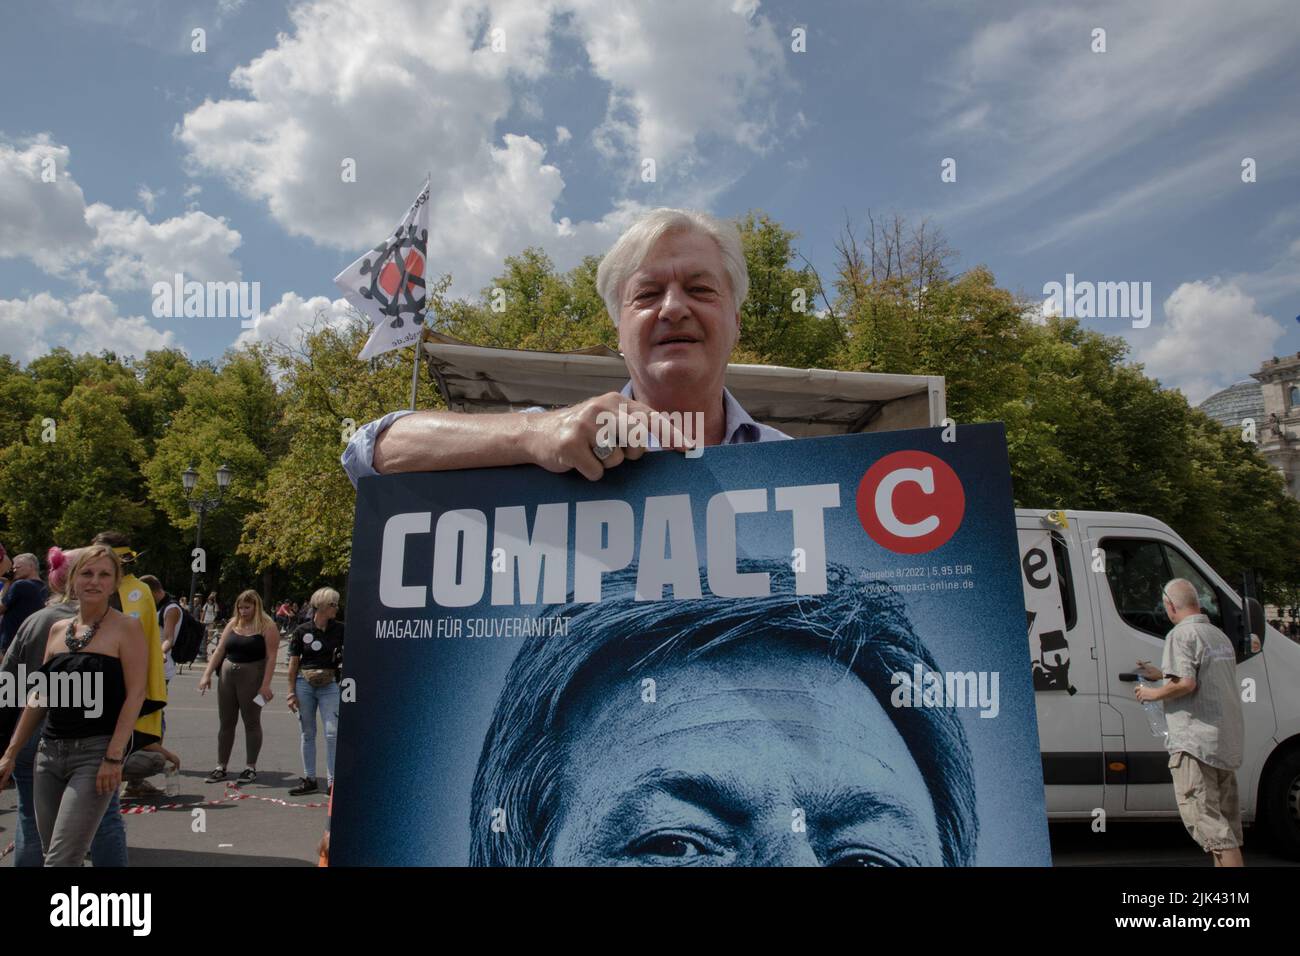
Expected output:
(536, 116)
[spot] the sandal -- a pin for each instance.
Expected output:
(248, 776)
(216, 776)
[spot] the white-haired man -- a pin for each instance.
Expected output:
(1206, 729)
(673, 283)
(23, 596)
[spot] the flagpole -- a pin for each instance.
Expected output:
(415, 365)
(424, 323)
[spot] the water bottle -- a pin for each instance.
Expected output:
(172, 777)
(1155, 714)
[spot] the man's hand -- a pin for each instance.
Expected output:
(563, 439)
(1149, 670)
(1145, 693)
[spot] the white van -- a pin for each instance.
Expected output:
(1093, 585)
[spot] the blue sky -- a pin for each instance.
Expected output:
(1123, 165)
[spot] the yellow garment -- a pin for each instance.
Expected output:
(137, 602)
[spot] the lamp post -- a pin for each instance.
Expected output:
(201, 505)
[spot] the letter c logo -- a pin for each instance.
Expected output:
(910, 502)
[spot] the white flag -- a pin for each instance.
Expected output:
(386, 285)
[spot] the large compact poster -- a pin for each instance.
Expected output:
(791, 653)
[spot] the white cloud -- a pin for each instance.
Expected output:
(137, 253)
(562, 135)
(41, 221)
(228, 8)
(31, 327)
(680, 71)
(1216, 173)
(1280, 280)
(292, 314)
(148, 198)
(342, 83)
(51, 224)
(1190, 352)
(1030, 86)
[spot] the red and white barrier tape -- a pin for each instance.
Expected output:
(232, 793)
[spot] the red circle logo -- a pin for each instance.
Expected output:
(390, 276)
(910, 502)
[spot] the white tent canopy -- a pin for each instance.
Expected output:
(800, 402)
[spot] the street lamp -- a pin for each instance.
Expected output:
(201, 505)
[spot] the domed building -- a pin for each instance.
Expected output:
(1236, 403)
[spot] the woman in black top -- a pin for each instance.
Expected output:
(315, 657)
(246, 658)
(79, 760)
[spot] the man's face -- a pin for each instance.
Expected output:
(24, 567)
(677, 319)
(713, 772)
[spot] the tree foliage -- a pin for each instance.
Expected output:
(1086, 429)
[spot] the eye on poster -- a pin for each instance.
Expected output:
(792, 653)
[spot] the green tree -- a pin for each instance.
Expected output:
(303, 519)
(233, 416)
(780, 319)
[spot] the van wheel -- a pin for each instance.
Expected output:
(1280, 806)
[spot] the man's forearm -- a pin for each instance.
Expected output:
(1172, 689)
(444, 441)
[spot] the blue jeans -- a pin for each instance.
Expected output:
(107, 849)
(309, 699)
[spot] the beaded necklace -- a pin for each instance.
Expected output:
(77, 644)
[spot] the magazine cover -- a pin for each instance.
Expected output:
(791, 653)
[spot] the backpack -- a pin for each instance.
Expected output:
(189, 635)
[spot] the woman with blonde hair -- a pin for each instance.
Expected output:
(245, 662)
(315, 658)
(79, 759)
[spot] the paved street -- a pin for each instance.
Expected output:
(238, 832)
(1143, 844)
(258, 832)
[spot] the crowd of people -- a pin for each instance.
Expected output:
(91, 623)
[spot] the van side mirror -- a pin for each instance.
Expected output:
(1255, 626)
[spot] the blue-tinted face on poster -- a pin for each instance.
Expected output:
(765, 676)
(720, 777)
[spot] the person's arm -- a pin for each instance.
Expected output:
(1181, 665)
(9, 716)
(6, 595)
(560, 440)
(32, 716)
(214, 661)
(295, 658)
(1172, 689)
(272, 637)
(171, 621)
(167, 754)
(134, 658)
(443, 441)
(26, 724)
